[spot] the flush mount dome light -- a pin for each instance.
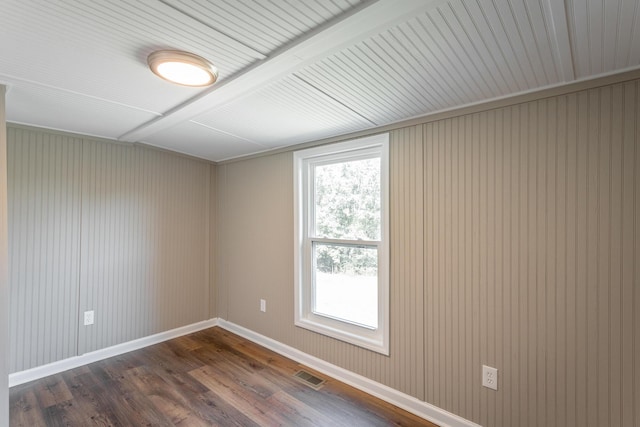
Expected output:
(182, 68)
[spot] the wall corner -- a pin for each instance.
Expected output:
(4, 269)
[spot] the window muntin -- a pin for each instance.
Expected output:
(341, 194)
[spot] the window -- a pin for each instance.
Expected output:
(341, 241)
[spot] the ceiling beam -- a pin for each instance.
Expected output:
(362, 22)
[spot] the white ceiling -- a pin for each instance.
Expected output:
(293, 71)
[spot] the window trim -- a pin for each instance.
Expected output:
(373, 339)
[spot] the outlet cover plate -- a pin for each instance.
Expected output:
(490, 377)
(88, 318)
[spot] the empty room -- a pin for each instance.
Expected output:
(320, 213)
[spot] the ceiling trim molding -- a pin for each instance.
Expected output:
(355, 25)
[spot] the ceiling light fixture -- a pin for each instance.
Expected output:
(182, 68)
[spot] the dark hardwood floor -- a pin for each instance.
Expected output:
(212, 377)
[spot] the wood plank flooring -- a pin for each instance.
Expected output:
(211, 377)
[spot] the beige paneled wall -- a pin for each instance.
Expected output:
(95, 225)
(145, 243)
(405, 370)
(256, 253)
(515, 243)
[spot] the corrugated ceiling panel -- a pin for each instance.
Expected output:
(264, 25)
(100, 48)
(284, 113)
(455, 54)
(56, 109)
(604, 35)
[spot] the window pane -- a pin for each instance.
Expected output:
(347, 200)
(346, 283)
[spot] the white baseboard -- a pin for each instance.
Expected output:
(36, 373)
(388, 394)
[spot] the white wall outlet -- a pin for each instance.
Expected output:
(263, 305)
(88, 318)
(490, 377)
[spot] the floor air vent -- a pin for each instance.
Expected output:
(309, 379)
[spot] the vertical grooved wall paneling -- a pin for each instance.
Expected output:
(114, 228)
(257, 257)
(213, 215)
(221, 264)
(145, 247)
(407, 253)
(515, 243)
(44, 237)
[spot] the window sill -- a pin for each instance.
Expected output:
(373, 342)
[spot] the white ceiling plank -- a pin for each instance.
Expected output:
(99, 49)
(427, 43)
(351, 27)
(283, 113)
(418, 54)
(520, 39)
(478, 60)
(251, 24)
(556, 14)
(610, 32)
(505, 42)
(41, 106)
(319, 76)
(476, 18)
(634, 55)
(361, 89)
(531, 26)
(201, 141)
(382, 70)
(441, 32)
(368, 57)
(294, 70)
(543, 39)
(578, 27)
(628, 32)
(404, 65)
(605, 35)
(595, 33)
(144, 18)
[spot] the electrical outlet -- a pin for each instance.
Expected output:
(490, 377)
(88, 318)
(263, 306)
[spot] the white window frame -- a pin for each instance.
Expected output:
(375, 339)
